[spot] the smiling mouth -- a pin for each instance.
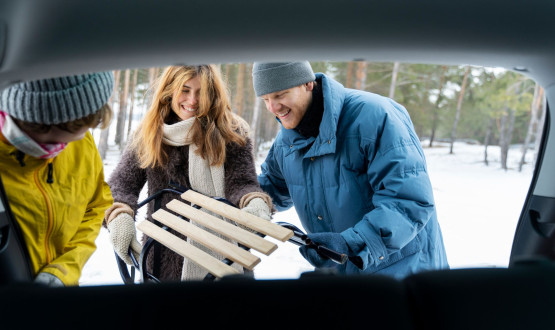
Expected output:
(283, 114)
(188, 109)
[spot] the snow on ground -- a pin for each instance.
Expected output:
(478, 208)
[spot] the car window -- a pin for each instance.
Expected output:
(479, 127)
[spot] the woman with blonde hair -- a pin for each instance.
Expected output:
(191, 138)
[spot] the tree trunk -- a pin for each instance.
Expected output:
(510, 128)
(435, 114)
(502, 137)
(539, 127)
(120, 124)
(534, 109)
(487, 139)
(258, 107)
(268, 125)
(250, 99)
(227, 70)
(350, 69)
(509, 123)
(240, 90)
(132, 93)
(103, 141)
(152, 75)
(394, 74)
(505, 135)
(361, 75)
(458, 111)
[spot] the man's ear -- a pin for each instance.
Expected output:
(309, 86)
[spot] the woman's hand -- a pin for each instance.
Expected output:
(123, 236)
(257, 206)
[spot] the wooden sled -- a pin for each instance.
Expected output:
(178, 220)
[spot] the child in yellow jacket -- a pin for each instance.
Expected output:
(52, 172)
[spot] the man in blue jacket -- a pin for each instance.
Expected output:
(351, 164)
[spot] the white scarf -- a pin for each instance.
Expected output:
(204, 178)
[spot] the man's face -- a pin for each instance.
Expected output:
(290, 105)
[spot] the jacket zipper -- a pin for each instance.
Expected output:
(20, 155)
(50, 177)
(50, 219)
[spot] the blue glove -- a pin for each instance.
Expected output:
(333, 241)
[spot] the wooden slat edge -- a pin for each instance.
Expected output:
(246, 219)
(211, 241)
(222, 227)
(203, 259)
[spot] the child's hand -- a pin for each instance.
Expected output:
(49, 280)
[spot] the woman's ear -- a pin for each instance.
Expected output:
(309, 86)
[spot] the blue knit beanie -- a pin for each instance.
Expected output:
(272, 77)
(58, 100)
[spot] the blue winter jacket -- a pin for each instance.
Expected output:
(363, 176)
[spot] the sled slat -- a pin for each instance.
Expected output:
(246, 219)
(203, 259)
(222, 227)
(211, 241)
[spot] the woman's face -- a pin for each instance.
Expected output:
(188, 101)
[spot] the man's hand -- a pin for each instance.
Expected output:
(333, 241)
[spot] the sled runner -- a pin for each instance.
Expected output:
(250, 234)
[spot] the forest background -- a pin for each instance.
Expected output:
(477, 105)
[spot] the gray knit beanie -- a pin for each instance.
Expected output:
(57, 100)
(272, 77)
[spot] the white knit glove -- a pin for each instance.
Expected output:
(48, 280)
(257, 206)
(124, 235)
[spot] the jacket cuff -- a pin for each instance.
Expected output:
(115, 210)
(371, 250)
(245, 200)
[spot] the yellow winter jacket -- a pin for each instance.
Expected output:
(60, 220)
